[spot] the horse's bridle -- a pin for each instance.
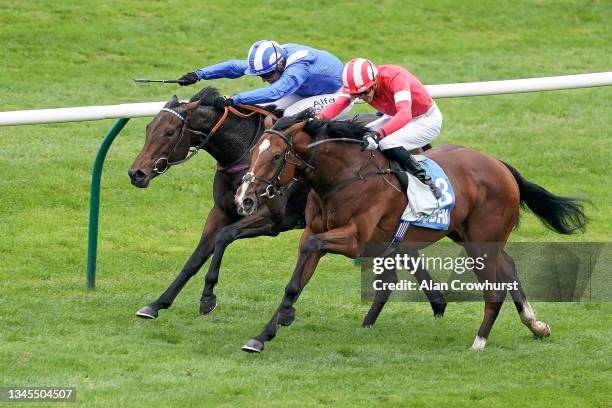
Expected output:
(272, 185)
(205, 137)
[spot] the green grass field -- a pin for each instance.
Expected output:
(55, 333)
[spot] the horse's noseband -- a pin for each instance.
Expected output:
(204, 137)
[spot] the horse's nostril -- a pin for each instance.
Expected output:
(248, 203)
(139, 175)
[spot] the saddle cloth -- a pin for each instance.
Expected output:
(423, 210)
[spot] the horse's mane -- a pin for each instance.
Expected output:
(334, 129)
(207, 96)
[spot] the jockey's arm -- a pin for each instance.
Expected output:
(291, 79)
(332, 111)
(227, 69)
(399, 120)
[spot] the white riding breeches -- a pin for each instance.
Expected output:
(293, 104)
(420, 131)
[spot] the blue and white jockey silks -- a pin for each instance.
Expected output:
(440, 217)
(308, 72)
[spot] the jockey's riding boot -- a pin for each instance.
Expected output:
(412, 166)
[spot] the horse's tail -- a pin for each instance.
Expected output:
(564, 215)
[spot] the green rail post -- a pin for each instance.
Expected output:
(94, 200)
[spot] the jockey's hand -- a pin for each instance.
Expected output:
(188, 79)
(221, 102)
(370, 141)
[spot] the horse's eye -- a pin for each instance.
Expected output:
(277, 156)
(170, 132)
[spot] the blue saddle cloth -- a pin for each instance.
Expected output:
(440, 218)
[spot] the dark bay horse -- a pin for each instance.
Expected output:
(346, 210)
(227, 135)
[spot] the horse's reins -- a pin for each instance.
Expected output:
(272, 187)
(359, 176)
(339, 139)
(205, 138)
(272, 184)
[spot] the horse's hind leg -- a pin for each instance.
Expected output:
(489, 254)
(524, 309)
(214, 222)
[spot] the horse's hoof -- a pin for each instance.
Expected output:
(208, 306)
(147, 312)
(367, 323)
(479, 344)
(253, 346)
(287, 318)
(541, 329)
(438, 309)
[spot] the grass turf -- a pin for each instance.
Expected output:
(53, 332)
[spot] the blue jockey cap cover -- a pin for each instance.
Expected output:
(264, 56)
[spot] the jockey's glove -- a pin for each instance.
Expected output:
(221, 102)
(188, 79)
(370, 141)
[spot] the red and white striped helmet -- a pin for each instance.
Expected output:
(358, 75)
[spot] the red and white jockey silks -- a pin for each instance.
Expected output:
(399, 94)
(358, 75)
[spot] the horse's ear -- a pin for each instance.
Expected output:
(268, 122)
(173, 102)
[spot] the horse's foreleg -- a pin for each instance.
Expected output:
(214, 222)
(312, 247)
(418, 235)
(380, 297)
(435, 297)
(258, 224)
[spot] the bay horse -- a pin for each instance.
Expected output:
(353, 201)
(227, 135)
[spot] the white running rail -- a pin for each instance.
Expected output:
(134, 110)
